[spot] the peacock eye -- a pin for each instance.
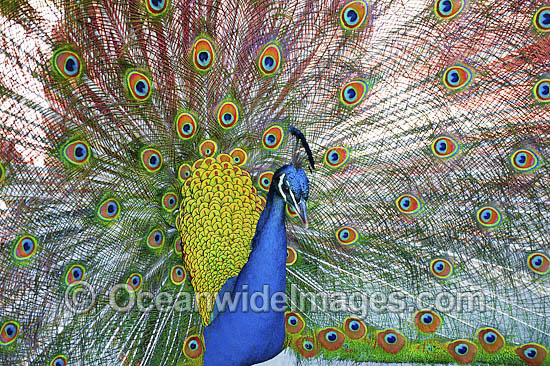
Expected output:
(541, 90)
(156, 7)
(76, 152)
(133, 283)
(524, 160)
(138, 85)
(60, 360)
(193, 347)
(24, 248)
(8, 333)
(155, 239)
(441, 268)
(203, 54)
(445, 147)
(75, 275)
(227, 114)
(489, 217)
(457, 77)
(354, 14)
(353, 92)
(177, 275)
(448, 9)
(67, 63)
(186, 125)
(539, 263)
(408, 204)
(151, 160)
(264, 180)
(427, 321)
(273, 137)
(541, 19)
(270, 59)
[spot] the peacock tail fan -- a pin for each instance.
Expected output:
(138, 140)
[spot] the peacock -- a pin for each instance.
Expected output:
(214, 182)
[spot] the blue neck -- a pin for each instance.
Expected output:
(254, 334)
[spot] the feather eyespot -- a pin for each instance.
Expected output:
(75, 274)
(264, 180)
(238, 156)
(186, 125)
(151, 159)
(24, 248)
(169, 201)
(462, 351)
(108, 210)
(177, 247)
(273, 137)
(354, 14)
(354, 328)
(524, 160)
(203, 54)
(541, 90)
(533, 354)
(208, 148)
(331, 338)
(192, 347)
(177, 275)
(427, 321)
(294, 323)
(134, 282)
(448, 9)
(336, 157)
(184, 172)
(67, 64)
(9, 332)
(354, 92)
(155, 239)
(307, 347)
(347, 236)
(138, 85)
(539, 263)
(445, 147)
(77, 152)
(156, 7)
(457, 77)
(60, 360)
(489, 217)
(227, 114)
(490, 339)
(408, 204)
(291, 256)
(270, 59)
(541, 19)
(391, 341)
(441, 268)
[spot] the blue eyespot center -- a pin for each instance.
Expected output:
(445, 7)
(490, 337)
(71, 65)
(461, 349)
(271, 138)
(531, 352)
(350, 93)
(293, 320)
(454, 78)
(390, 338)
(187, 127)
(308, 345)
(351, 16)
(331, 336)
(204, 57)
(334, 157)
(10, 330)
(354, 325)
(77, 273)
(227, 117)
(269, 63)
(439, 267)
(427, 319)
(193, 345)
(141, 88)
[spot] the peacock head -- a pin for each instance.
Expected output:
(291, 184)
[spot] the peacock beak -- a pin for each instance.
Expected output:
(303, 213)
